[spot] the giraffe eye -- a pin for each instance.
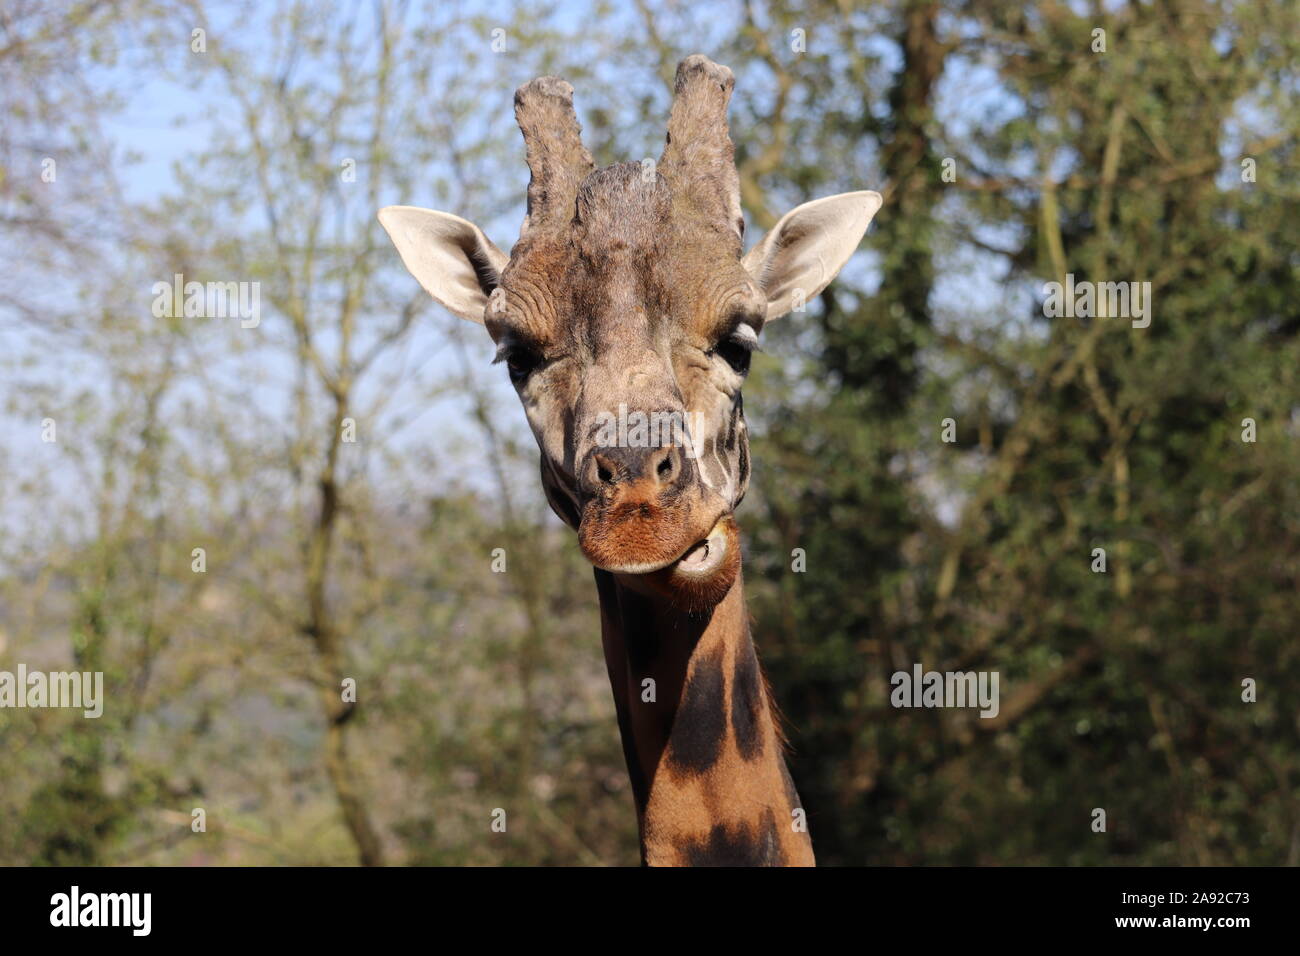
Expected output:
(520, 361)
(735, 355)
(737, 349)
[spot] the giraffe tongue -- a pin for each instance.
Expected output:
(703, 556)
(697, 556)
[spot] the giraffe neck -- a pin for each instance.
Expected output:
(702, 744)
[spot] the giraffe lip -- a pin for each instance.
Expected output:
(700, 559)
(700, 576)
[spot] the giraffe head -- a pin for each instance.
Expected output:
(625, 316)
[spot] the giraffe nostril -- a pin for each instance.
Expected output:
(668, 466)
(610, 468)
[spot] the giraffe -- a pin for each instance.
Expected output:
(628, 294)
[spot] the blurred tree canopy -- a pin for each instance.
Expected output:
(1150, 142)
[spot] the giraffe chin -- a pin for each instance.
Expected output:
(701, 576)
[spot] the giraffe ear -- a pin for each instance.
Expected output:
(807, 248)
(451, 257)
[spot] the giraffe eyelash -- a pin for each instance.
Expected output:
(511, 346)
(744, 336)
(521, 360)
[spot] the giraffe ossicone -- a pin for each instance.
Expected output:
(628, 294)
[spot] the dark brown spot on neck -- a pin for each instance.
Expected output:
(739, 844)
(701, 724)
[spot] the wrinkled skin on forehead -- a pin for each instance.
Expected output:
(623, 310)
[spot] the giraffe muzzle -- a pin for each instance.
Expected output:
(644, 509)
(643, 525)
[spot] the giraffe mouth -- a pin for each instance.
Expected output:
(698, 560)
(705, 556)
(695, 578)
(704, 573)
